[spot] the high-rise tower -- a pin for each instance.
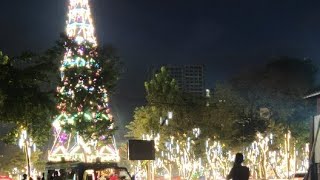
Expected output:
(83, 129)
(190, 78)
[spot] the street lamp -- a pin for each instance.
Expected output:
(27, 144)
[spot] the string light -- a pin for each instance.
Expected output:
(219, 160)
(81, 96)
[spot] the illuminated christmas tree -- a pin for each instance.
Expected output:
(84, 128)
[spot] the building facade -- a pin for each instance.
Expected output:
(190, 78)
(314, 169)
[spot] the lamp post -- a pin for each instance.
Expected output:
(26, 143)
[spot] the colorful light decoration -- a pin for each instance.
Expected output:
(178, 154)
(82, 97)
(28, 145)
(178, 158)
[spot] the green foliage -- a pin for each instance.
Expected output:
(112, 67)
(12, 157)
(262, 100)
(106, 56)
(146, 120)
(163, 95)
(231, 119)
(162, 90)
(87, 104)
(38, 160)
(4, 59)
(24, 105)
(16, 158)
(279, 87)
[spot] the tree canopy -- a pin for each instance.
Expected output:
(88, 75)
(24, 105)
(279, 88)
(262, 100)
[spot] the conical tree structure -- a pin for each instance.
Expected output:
(83, 129)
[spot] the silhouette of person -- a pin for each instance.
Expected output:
(239, 172)
(56, 175)
(42, 176)
(62, 174)
(24, 177)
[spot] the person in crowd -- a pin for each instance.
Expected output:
(239, 172)
(56, 175)
(114, 175)
(42, 176)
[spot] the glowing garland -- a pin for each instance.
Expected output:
(82, 97)
(219, 160)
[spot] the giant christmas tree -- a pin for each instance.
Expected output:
(83, 129)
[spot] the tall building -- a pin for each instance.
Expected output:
(190, 78)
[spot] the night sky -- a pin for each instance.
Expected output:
(226, 36)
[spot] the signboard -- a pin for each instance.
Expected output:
(141, 150)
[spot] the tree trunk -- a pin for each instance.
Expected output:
(27, 159)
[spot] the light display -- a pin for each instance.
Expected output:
(178, 158)
(28, 145)
(83, 130)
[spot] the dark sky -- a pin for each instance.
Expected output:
(226, 35)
